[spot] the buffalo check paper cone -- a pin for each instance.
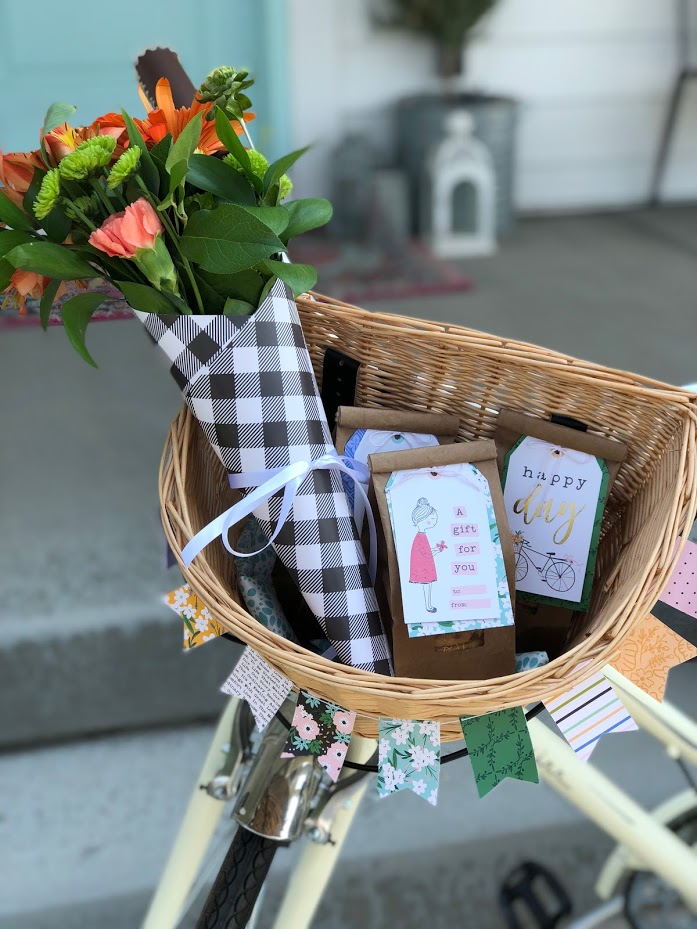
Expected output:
(249, 382)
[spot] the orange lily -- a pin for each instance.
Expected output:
(167, 119)
(25, 284)
(16, 173)
(65, 139)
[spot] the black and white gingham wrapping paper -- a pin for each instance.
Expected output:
(252, 389)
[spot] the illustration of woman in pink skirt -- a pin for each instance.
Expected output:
(422, 567)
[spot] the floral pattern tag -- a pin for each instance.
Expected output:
(321, 729)
(499, 746)
(199, 625)
(409, 756)
(649, 652)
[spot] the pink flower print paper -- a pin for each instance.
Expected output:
(321, 729)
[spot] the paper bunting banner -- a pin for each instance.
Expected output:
(681, 590)
(320, 729)
(199, 625)
(649, 652)
(500, 747)
(409, 757)
(589, 711)
(256, 682)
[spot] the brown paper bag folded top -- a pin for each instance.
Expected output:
(475, 655)
(443, 426)
(539, 625)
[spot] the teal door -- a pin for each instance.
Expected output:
(82, 52)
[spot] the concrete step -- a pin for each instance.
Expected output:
(85, 829)
(86, 644)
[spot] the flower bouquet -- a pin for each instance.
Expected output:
(188, 222)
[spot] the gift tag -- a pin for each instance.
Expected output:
(451, 569)
(554, 499)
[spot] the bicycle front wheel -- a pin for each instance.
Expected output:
(239, 881)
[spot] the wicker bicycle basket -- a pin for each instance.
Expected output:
(410, 364)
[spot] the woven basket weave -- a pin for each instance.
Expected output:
(410, 364)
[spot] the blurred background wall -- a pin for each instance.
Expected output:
(592, 79)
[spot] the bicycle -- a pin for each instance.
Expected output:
(277, 800)
(557, 573)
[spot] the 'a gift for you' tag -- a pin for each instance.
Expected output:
(554, 500)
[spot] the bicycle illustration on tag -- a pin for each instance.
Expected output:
(554, 571)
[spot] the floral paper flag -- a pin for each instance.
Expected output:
(499, 746)
(264, 688)
(199, 625)
(589, 711)
(681, 590)
(409, 757)
(321, 729)
(649, 652)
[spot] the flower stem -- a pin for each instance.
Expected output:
(98, 189)
(175, 241)
(78, 212)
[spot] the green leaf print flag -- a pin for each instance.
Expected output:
(500, 747)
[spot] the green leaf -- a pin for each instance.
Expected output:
(213, 301)
(76, 314)
(275, 171)
(227, 240)
(186, 144)
(159, 154)
(9, 239)
(246, 285)
(146, 167)
(238, 308)
(177, 174)
(57, 114)
(56, 225)
(304, 215)
(216, 177)
(267, 289)
(51, 260)
(300, 278)
(6, 272)
(275, 217)
(144, 298)
(11, 214)
(230, 140)
(47, 298)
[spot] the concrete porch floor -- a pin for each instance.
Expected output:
(89, 651)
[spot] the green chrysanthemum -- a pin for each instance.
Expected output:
(259, 165)
(87, 158)
(223, 87)
(86, 205)
(124, 168)
(48, 195)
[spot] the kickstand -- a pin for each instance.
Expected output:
(531, 897)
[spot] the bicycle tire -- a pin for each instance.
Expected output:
(235, 890)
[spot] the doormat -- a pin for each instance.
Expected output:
(362, 273)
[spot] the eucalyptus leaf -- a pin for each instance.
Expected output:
(47, 298)
(238, 308)
(51, 260)
(10, 238)
(184, 147)
(246, 285)
(227, 135)
(275, 217)
(227, 240)
(300, 278)
(56, 115)
(144, 298)
(11, 214)
(275, 171)
(305, 215)
(76, 314)
(216, 177)
(146, 166)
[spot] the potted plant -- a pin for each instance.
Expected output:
(420, 119)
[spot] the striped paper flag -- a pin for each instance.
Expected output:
(589, 711)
